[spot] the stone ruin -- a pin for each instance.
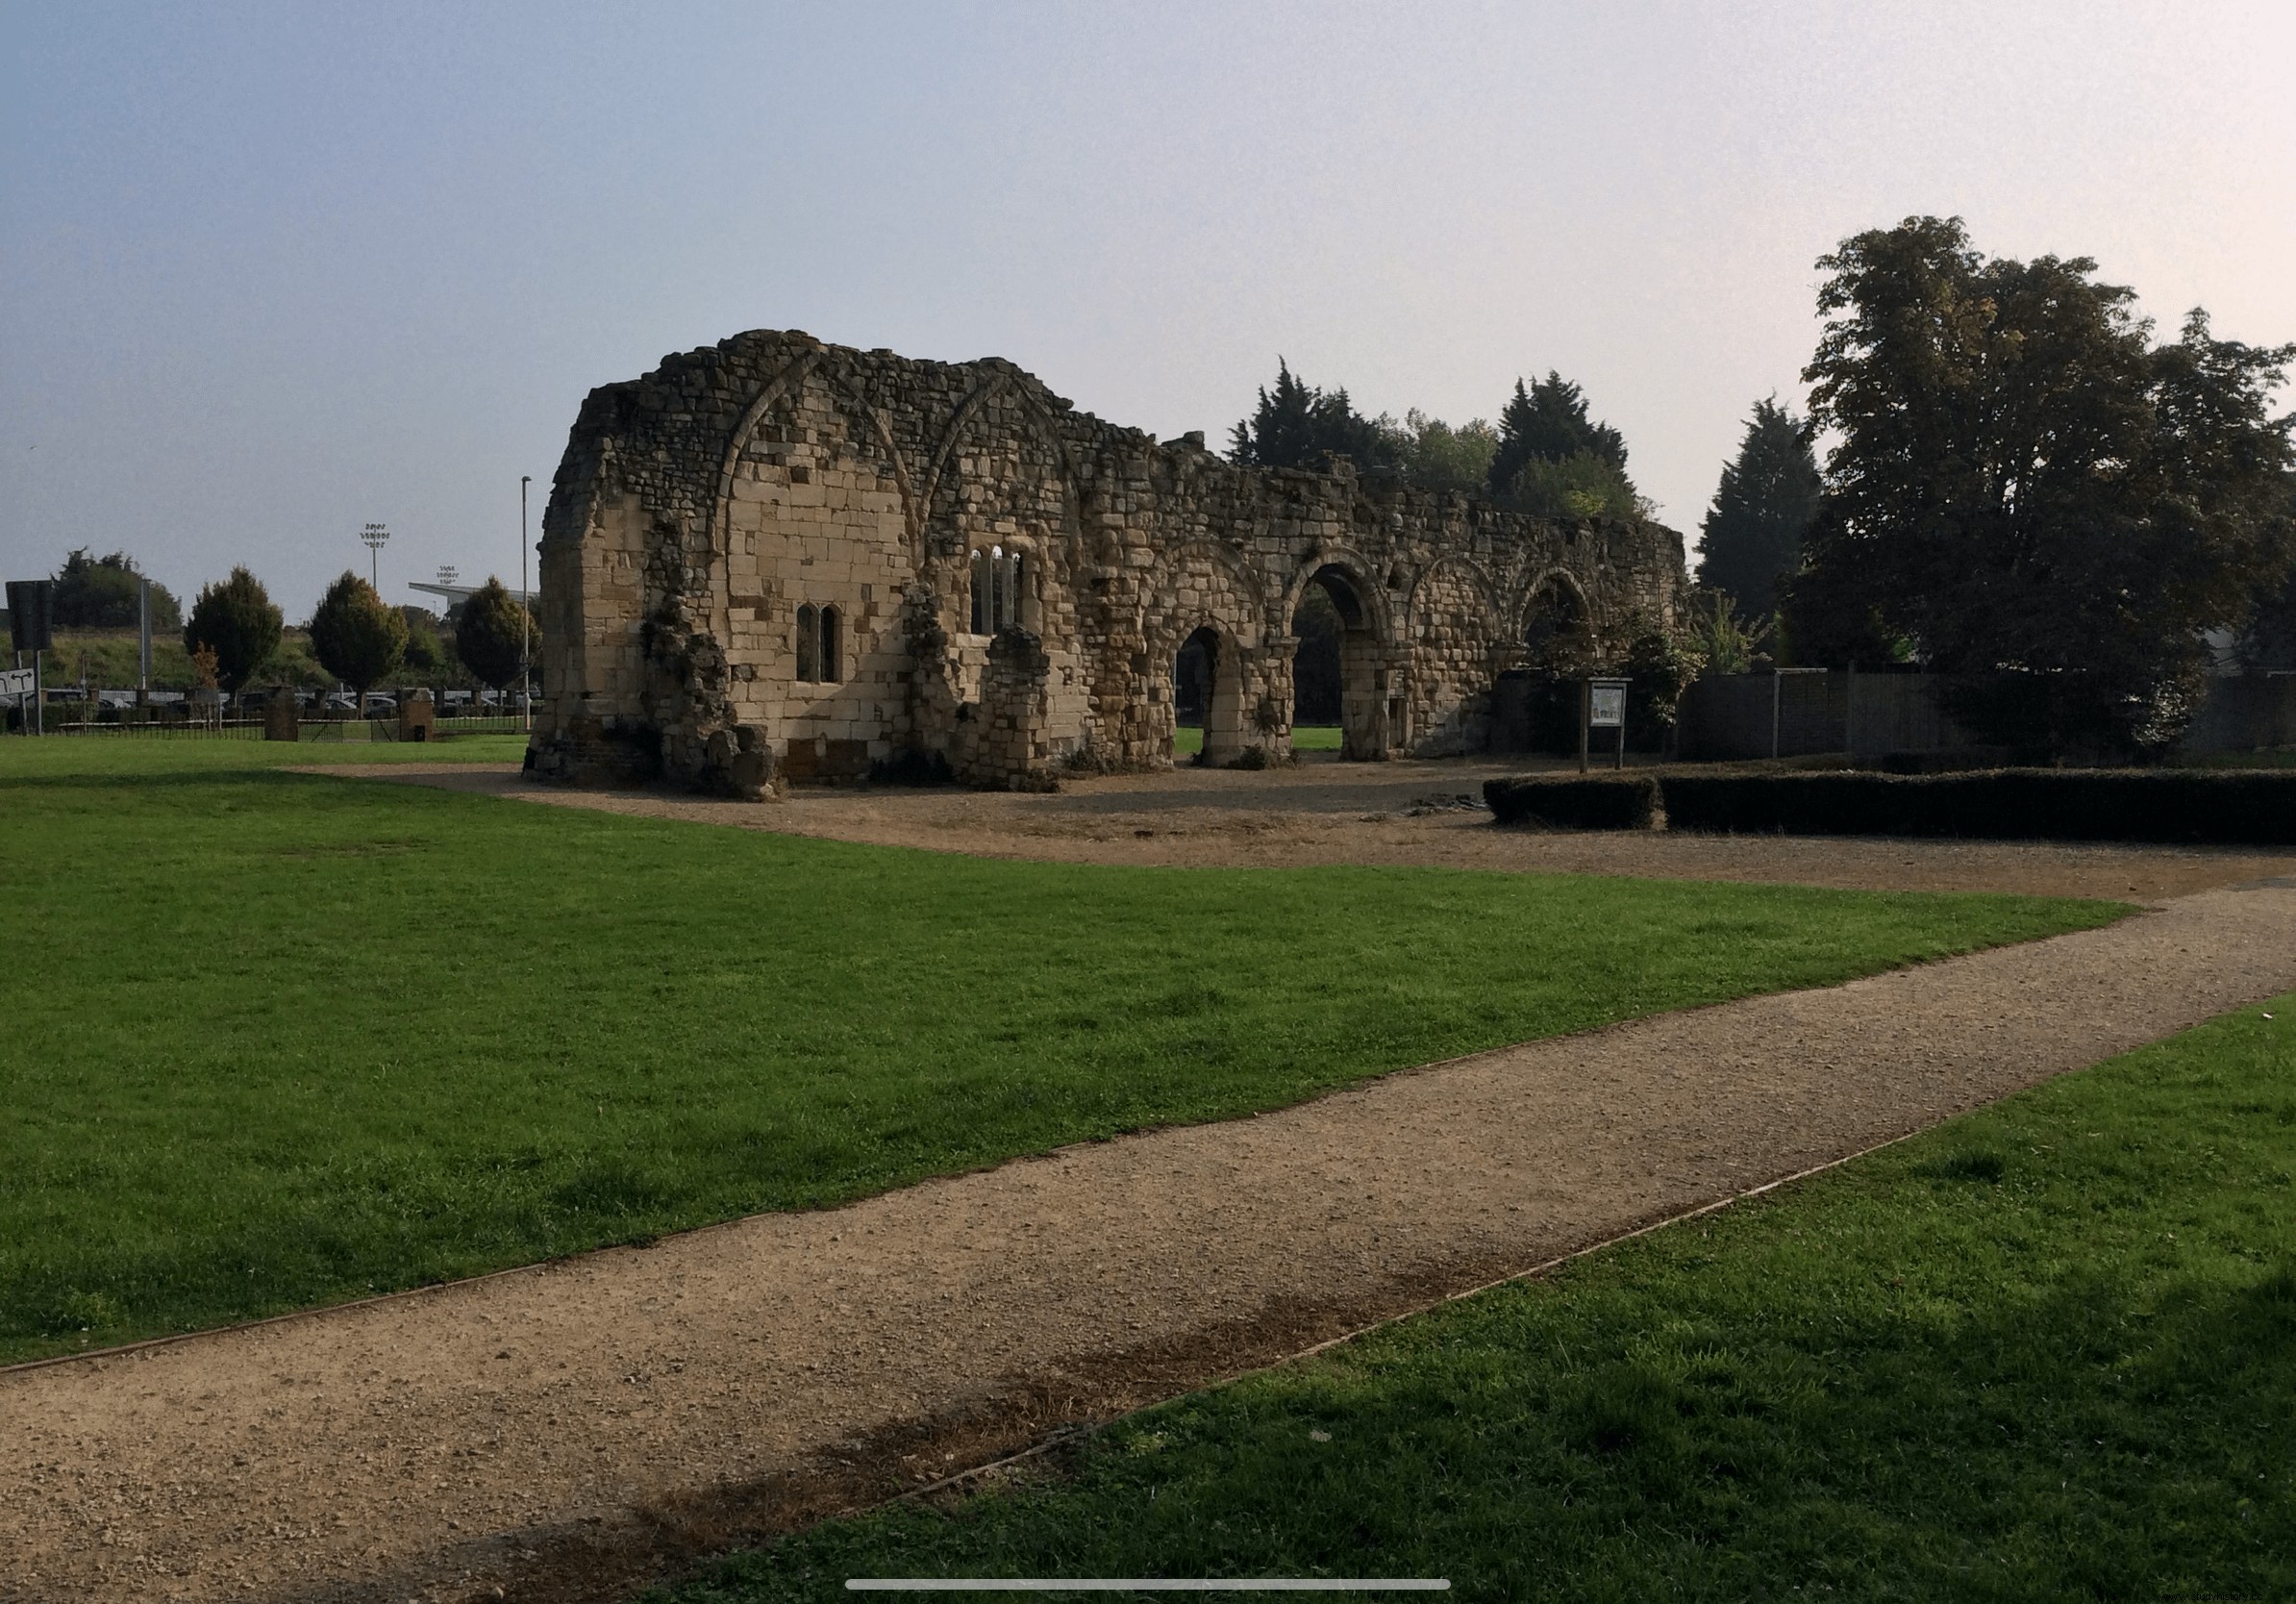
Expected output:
(780, 559)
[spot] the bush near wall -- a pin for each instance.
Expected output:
(1575, 801)
(2010, 804)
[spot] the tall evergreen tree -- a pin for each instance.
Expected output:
(237, 623)
(1767, 498)
(1548, 422)
(1297, 423)
(493, 633)
(356, 636)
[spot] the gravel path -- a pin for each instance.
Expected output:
(565, 1428)
(560, 1432)
(1395, 813)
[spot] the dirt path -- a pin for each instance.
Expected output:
(558, 1431)
(1399, 813)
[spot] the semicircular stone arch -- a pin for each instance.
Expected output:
(1547, 611)
(1359, 575)
(1455, 654)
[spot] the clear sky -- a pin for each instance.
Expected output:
(270, 273)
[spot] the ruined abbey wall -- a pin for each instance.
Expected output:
(779, 557)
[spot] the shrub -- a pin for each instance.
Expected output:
(2257, 808)
(1575, 801)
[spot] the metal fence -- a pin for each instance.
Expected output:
(70, 718)
(1802, 713)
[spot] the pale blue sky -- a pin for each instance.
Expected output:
(269, 272)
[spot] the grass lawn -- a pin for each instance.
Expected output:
(1189, 738)
(280, 1039)
(2045, 1352)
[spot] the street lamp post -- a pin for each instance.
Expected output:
(526, 615)
(374, 535)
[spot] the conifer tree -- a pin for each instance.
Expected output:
(1549, 422)
(1764, 505)
(356, 636)
(236, 623)
(1297, 423)
(493, 633)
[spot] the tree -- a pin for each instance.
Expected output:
(2024, 482)
(1549, 423)
(356, 637)
(1434, 456)
(2269, 642)
(1723, 641)
(99, 592)
(492, 633)
(1764, 505)
(237, 623)
(1297, 423)
(1580, 486)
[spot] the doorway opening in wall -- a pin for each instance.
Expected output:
(1316, 690)
(1206, 699)
(1536, 708)
(1334, 673)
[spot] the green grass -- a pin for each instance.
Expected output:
(90, 759)
(2275, 757)
(279, 1040)
(1189, 738)
(2045, 1352)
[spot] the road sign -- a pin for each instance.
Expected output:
(31, 603)
(1606, 704)
(15, 682)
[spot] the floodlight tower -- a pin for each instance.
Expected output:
(374, 535)
(526, 614)
(448, 573)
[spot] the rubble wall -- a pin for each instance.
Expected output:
(761, 559)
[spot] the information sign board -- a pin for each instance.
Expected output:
(1606, 704)
(15, 682)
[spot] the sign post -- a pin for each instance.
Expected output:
(31, 608)
(1605, 709)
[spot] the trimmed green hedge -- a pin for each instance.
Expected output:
(1575, 801)
(2255, 807)
(2008, 804)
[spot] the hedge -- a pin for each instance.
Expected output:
(1576, 801)
(2252, 807)
(2011, 804)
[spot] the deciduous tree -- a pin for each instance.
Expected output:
(99, 592)
(2024, 480)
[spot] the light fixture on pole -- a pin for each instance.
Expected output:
(374, 535)
(526, 614)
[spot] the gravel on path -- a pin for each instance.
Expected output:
(557, 1433)
(1404, 813)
